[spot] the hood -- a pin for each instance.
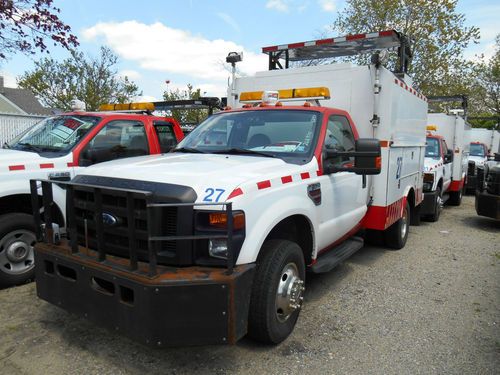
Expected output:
(199, 171)
(10, 157)
(431, 164)
(479, 160)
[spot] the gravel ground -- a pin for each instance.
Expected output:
(430, 308)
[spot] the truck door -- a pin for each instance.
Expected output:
(117, 139)
(343, 197)
(447, 166)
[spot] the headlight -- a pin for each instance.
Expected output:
(217, 249)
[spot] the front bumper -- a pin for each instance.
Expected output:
(428, 205)
(178, 306)
(488, 205)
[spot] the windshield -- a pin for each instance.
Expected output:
(54, 134)
(287, 134)
(476, 149)
(432, 148)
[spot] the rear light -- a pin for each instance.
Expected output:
(378, 162)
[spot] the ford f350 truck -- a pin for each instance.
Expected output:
(446, 156)
(212, 241)
(57, 149)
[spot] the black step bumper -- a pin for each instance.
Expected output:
(428, 205)
(179, 306)
(488, 205)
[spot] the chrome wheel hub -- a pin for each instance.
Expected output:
(289, 295)
(16, 252)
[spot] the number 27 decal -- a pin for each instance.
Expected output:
(213, 195)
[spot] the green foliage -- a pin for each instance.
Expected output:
(186, 116)
(439, 37)
(25, 25)
(93, 80)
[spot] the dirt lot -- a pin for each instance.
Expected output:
(431, 308)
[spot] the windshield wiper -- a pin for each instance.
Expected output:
(189, 150)
(31, 147)
(242, 151)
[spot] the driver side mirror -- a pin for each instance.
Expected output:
(448, 157)
(367, 158)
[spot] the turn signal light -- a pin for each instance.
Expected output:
(219, 220)
(378, 162)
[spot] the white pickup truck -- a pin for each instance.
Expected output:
(57, 149)
(212, 241)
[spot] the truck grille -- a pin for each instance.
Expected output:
(116, 235)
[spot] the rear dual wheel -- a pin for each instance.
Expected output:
(397, 234)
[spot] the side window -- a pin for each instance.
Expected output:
(165, 134)
(117, 139)
(445, 147)
(339, 137)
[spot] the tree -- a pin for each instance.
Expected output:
(25, 25)
(186, 116)
(438, 33)
(90, 79)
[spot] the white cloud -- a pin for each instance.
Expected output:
(279, 5)
(9, 80)
(130, 74)
(328, 5)
(161, 48)
(229, 20)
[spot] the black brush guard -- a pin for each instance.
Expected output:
(155, 304)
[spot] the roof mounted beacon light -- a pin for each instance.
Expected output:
(77, 105)
(270, 97)
(296, 94)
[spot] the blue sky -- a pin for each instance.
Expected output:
(186, 41)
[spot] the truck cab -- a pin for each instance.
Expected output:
(57, 149)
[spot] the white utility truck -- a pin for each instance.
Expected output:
(483, 143)
(445, 161)
(58, 148)
(212, 241)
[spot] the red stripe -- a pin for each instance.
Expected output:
(47, 165)
(17, 167)
(319, 173)
(355, 37)
(296, 45)
(263, 184)
(270, 49)
(324, 41)
(235, 193)
(386, 33)
(286, 179)
(72, 164)
(305, 175)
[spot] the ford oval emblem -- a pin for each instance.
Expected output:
(109, 219)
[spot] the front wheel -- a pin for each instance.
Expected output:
(438, 205)
(17, 238)
(397, 234)
(277, 291)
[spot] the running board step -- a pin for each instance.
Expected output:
(337, 255)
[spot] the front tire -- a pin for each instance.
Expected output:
(456, 197)
(397, 234)
(277, 292)
(438, 203)
(17, 238)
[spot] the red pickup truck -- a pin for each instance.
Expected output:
(58, 148)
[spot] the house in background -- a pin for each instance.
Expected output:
(19, 110)
(20, 101)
